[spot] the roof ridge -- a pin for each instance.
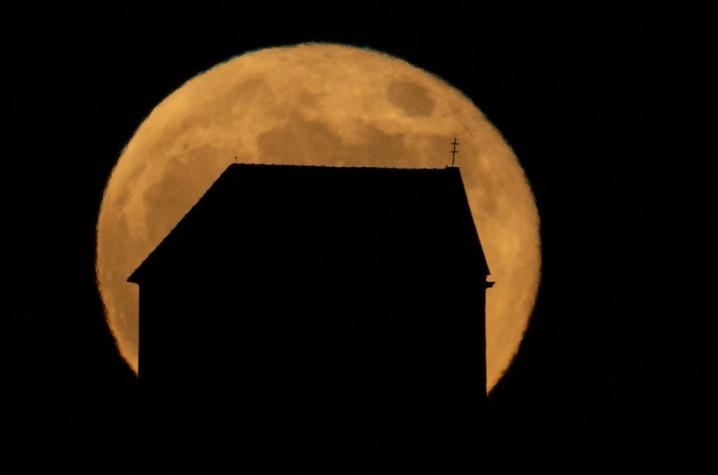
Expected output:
(329, 166)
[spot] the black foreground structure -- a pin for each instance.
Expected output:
(316, 317)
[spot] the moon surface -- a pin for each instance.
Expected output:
(317, 104)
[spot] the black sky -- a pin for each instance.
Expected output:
(611, 113)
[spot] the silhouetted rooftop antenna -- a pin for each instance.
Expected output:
(454, 151)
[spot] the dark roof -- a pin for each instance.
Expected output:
(276, 221)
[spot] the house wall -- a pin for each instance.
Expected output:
(366, 368)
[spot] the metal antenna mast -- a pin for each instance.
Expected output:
(454, 151)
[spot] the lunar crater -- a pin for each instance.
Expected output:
(412, 98)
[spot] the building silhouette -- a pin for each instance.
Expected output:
(303, 317)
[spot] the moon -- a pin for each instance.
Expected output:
(317, 104)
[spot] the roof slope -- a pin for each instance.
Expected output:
(279, 221)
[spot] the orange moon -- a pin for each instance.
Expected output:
(317, 104)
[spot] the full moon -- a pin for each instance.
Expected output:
(317, 104)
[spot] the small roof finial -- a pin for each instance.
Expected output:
(454, 151)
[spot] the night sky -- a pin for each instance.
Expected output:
(610, 112)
